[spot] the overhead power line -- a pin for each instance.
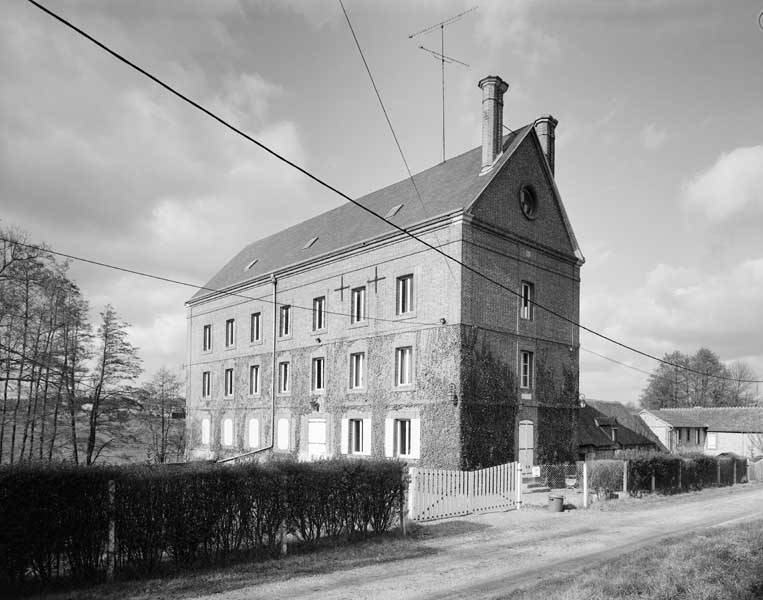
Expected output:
(330, 187)
(263, 299)
(391, 128)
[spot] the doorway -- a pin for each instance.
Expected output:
(526, 446)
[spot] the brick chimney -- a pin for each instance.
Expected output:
(493, 88)
(545, 127)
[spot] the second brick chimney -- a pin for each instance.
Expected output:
(545, 127)
(493, 88)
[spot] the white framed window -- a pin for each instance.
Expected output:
(228, 383)
(205, 431)
(319, 313)
(316, 438)
(526, 369)
(358, 306)
(254, 380)
(712, 441)
(227, 436)
(356, 436)
(206, 338)
(404, 365)
(255, 327)
(357, 366)
(402, 437)
(230, 332)
(206, 385)
(284, 321)
(284, 372)
(253, 436)
(404, 294)
(282, 434)
(527, 301)
(319, 371)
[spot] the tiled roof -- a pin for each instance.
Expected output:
(626, 418)
(590, 434)
(730, 419)
(445, 188)
(678, 418)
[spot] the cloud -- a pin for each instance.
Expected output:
(101, 163)
(652, 137)
(509, 24)
(684, 308)
(733, 186)
(676, 308)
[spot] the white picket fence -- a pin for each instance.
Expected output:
(438, 493)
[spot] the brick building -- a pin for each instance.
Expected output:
(342, 335)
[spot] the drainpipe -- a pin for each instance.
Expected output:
(234, 459)
(274, 383)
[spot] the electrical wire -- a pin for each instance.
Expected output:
(264, 299)
(391, 128)
(330, 187)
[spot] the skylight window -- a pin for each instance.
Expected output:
(393, 211)
(251, 264)
(309, 243)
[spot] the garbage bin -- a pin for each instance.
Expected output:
(556, 503)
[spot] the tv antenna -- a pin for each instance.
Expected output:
(442, 57)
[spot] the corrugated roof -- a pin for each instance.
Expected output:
(444, 188)
(730, 419)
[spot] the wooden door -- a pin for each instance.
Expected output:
(526, 446)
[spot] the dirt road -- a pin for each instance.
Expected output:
(489, 555)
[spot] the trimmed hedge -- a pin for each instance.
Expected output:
(675, 474)
(55, 522)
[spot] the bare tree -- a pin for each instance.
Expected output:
(160, 401)
(699, 380)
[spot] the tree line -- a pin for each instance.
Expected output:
(700, 379)
(68, 386)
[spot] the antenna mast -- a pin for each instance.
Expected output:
(443, 58)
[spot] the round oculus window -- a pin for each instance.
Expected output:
(528, 202)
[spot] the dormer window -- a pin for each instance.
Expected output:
(393, 211)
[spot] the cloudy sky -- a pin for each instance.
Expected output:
(659, 146)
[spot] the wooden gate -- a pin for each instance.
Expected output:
(437, 493)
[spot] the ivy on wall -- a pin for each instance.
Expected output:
(557, 398)
(489, 406)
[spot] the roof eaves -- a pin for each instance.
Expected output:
(512, 143)
(385, 237)
(565, 218)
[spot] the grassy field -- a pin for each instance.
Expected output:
(717, 564)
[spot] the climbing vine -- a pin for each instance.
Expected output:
(489, 406)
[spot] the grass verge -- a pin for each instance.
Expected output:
(329, 558)
(715, 564)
